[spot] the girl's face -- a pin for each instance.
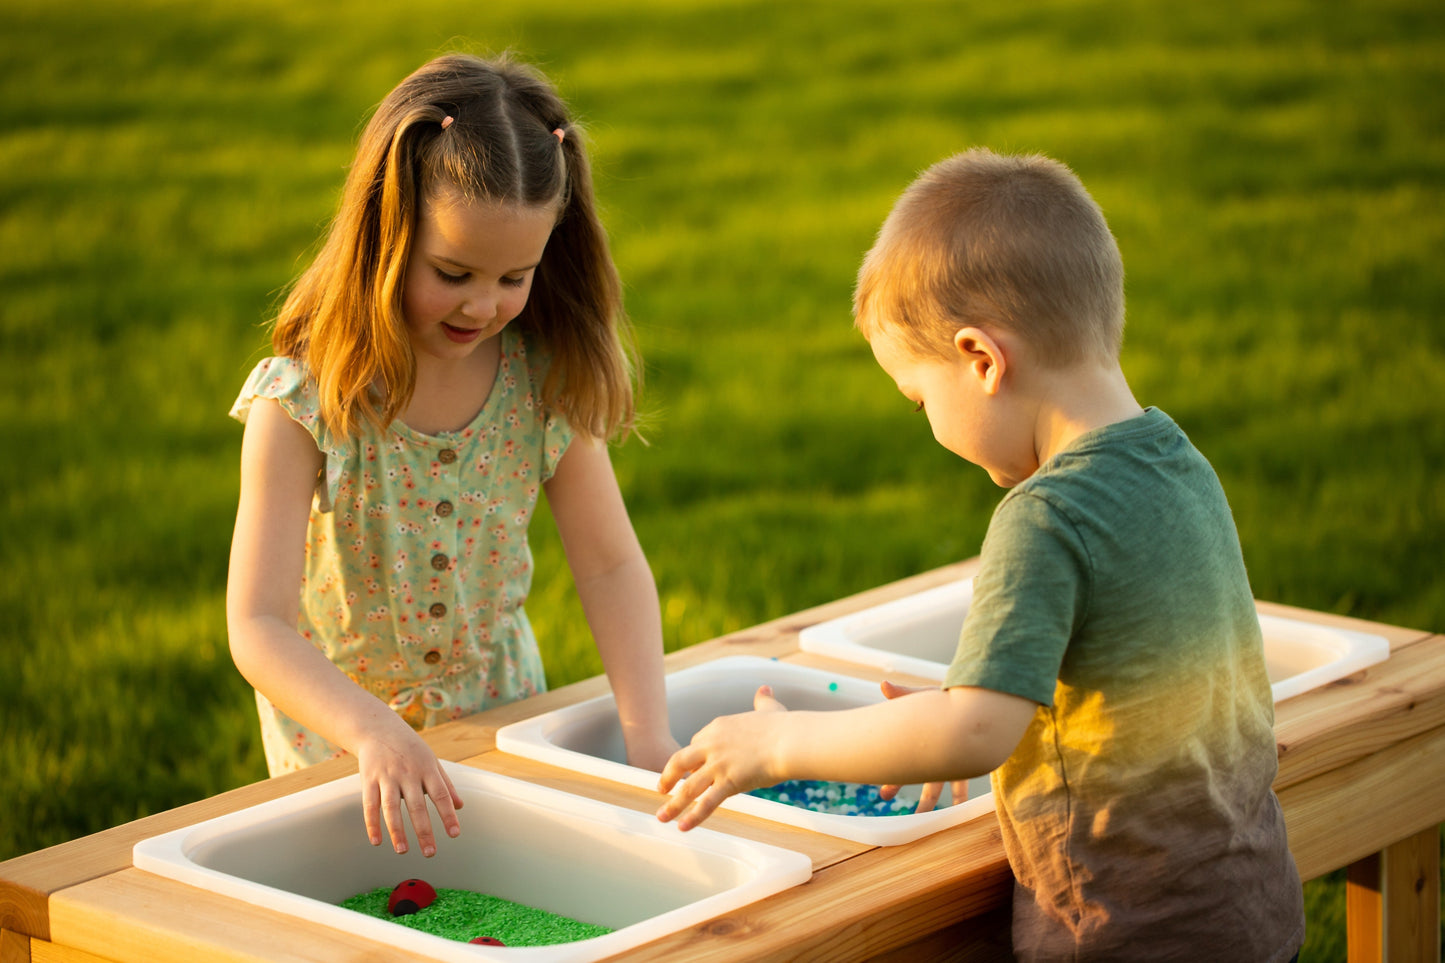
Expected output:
(470, 271)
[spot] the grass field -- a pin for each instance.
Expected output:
(1274, 172)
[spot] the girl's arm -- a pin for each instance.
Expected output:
(929, 736)
(618, 594)
(279, 467)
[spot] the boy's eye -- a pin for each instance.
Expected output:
(450, 278)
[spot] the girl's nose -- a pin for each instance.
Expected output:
(481, 306)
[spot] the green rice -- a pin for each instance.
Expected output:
(464, 915)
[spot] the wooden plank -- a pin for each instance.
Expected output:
(14, 947)
(43, 952)
(1363, 713)
(1410, 880)
(1344, 815)
(821, 849)
(136, 917)
(983, 939)
(881, 900)
(1364, 912)
(27, 882)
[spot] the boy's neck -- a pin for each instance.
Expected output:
(1077, 400)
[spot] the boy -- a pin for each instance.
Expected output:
(1110, 671)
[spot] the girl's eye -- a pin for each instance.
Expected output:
(450, 278)
(919, 407)
(514, 282)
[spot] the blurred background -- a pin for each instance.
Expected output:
(1274, 172)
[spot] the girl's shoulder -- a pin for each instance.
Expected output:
(288, 382)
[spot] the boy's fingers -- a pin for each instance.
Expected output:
(764, 701)
(892, 690)
(928, 797)
(701, 808)
(682, 762)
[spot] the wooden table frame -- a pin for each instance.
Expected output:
(1361, 781)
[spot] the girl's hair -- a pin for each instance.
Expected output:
(344, 317)
(1013, 242)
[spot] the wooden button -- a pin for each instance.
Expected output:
(432, 657)
(439, 562)
(437, 610)
(446, 456)
(444, 508)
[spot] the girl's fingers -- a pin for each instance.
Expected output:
(444, 798)
(371, 811)
(960, 790)
(420, 820)
(395, 823)
(886, 793)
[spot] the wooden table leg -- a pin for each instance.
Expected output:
(1392, 902)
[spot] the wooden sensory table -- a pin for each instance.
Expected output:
(1361, 779)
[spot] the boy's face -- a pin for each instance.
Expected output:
(965, 409)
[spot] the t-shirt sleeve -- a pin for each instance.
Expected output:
(1030, 594)
(288, 382)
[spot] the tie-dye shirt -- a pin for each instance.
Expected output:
(417, 562)
(1137, 812)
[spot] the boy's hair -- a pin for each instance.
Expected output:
(344, 316)
(988, 240)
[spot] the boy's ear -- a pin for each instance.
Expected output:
(983, 355)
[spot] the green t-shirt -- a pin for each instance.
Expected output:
(1137, 811)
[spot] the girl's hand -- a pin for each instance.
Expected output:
(651, 751)
(398, 768)
(932, 791)
(723, 759)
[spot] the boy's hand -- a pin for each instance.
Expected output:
(724, 758)
(932, 791)
(398, 768)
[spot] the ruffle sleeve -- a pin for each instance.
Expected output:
(557, 432)
(289, 382)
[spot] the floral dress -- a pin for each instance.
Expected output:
(417, 562)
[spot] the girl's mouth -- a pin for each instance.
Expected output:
(461, 335)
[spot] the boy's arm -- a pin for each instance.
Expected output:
(618, 594)
(930, 736)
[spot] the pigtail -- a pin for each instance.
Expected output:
(576, 305)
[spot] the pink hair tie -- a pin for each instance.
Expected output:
(561, 134)
(447, 121)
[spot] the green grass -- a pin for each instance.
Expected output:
(1274, 172)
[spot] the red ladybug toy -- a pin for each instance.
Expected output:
(409, 896)
(487, 941)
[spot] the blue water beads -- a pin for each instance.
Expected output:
(840, 798)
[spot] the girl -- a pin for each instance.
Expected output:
(461, 323)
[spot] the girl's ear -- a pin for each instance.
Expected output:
(984, 357)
